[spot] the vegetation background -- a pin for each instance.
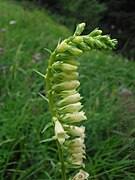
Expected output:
(107, 87)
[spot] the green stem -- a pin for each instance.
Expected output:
(51, 106)
(60, 153)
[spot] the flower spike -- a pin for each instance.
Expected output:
(64, 100)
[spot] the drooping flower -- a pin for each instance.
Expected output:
(60, 134)
(71, 108)
(75, 130)
(74, 117)
(69, 100)
(81, 175)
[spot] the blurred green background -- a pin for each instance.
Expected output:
(107, 86)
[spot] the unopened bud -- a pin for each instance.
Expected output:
(69, 100)
(78, 39)
(74, 117)
(64, 94)
(65, 76)
(95, 32)
(71, 108)
(62, 47)
(67, 85)
(72, 61)
(84, 47)
(64, 66)
(79, 29)
(74, 51)
(89, 41)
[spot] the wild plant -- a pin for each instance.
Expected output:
(64, 100)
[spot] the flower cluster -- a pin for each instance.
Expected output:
(62, 83)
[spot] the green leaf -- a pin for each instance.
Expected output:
(47, 126)
(48, 140)
(39, 73)
(48, 50)
(43, 97)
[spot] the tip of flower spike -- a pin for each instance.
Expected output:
(79, 29)
(95, 32)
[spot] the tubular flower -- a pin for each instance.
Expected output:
(74, 117)
(75, 130)
(60, 134)
(64, 99)
(82, 175)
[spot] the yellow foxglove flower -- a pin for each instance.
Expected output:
(71, 108)
(71, 61)
(65, 76)
(77, 159)
(78, 39)
(81, 175)
(64, 94)
(74, 117)
(78, 142)
(69, 100)
(64, 67)
(60, 134)
(67, 85)
(74, 51)
(76, 150)
(75, 130)
(62, 47)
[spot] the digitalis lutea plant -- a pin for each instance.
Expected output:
(64, 100)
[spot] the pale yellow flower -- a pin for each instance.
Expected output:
(60, 134)
(71, 108)
(67, 85)
(81, 175)
(70, 99)
(75, 117)
(76, 131)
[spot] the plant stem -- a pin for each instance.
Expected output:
(63, 170)
(51, 106)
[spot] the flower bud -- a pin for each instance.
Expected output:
(77, 159)
(74, 51)
(89, 41)
(74, 117)
(71, 108)
(64, 94)
(98, 44)
(79, 29)
(95, 32)
(60, 134)
(84, 47)
(62, 47)
(78, 142)
(72, 61)
(65, 76)
(69, 100)
(76, 150)
(81, 175)
(63, 56)
(67, 85)
(64, 67)
(78, 39)
(75, 131)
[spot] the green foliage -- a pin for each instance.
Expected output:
(82, 10)
(119, 20)
(107, 85)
